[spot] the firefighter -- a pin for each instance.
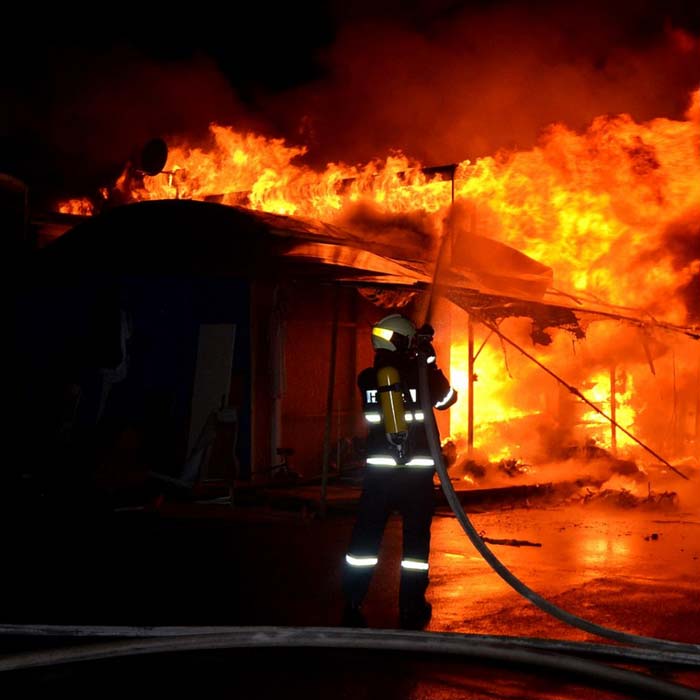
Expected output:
(399, 467)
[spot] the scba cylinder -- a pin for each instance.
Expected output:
(391, 399)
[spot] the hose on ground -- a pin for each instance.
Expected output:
(621, 654)
(548, 654)
(500, 568)
(340, 638)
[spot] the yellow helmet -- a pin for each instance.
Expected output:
(393, 332)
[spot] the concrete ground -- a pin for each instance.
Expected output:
(213, 564)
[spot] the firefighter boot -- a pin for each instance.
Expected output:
(415, 617)
(352, 616)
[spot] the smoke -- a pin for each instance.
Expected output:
(682, 240)
(442, 81)
(579, 471)
(412, 232)
(78, 115)
(446, 84)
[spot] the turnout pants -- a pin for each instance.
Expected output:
(408, 490)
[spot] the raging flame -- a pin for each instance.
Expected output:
(590, 205)
(493, 386)
(81, 207)
(264, 174)
(612, 211)
(599, 392)
(521, 413)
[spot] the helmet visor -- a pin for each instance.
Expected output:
(383, 333)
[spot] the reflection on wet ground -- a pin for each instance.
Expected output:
(619, 568)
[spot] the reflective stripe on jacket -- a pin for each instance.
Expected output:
(380, 452)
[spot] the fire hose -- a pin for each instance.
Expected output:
(501, 569)
(508, 650)
(537, 653)
(547, 654)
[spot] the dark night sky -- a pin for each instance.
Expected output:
(442, 80)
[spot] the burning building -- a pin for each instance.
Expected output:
(199, 323)
(568, 276)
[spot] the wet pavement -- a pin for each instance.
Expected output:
(631, 570)
(213, 564)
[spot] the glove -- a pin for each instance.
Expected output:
(426, 331)
(400, 442)
(424, 341)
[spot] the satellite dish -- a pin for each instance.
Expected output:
(154, 156)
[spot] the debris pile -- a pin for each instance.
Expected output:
(624, 498)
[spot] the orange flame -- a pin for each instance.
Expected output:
(586, 204)
(599, 392)
(81, 207)
(598, 207)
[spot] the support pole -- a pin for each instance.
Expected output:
(329, 402)
(470, 385)
(675, 423)
(277, 387)
(697, 413)
(337, 441)
(613, 410)
(577, 393)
